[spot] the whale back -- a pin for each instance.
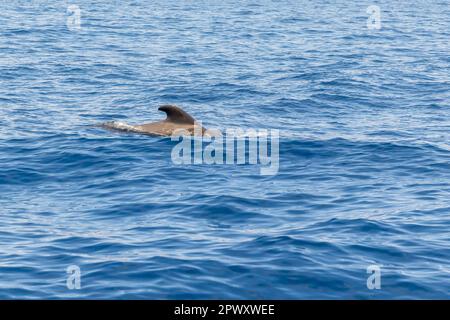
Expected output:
(175, 114)
(176, 119)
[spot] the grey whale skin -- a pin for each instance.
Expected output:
(176, 119)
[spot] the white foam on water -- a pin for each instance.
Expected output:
(119, 125)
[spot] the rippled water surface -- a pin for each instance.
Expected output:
(364, 175)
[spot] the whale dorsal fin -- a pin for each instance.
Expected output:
(175, 114)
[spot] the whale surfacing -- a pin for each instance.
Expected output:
(176, 119)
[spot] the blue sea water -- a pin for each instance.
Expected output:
(364, 176)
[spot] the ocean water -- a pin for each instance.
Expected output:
(364, 172)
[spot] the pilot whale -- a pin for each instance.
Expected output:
(177, 119)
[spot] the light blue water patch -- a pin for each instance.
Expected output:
(364, 172)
